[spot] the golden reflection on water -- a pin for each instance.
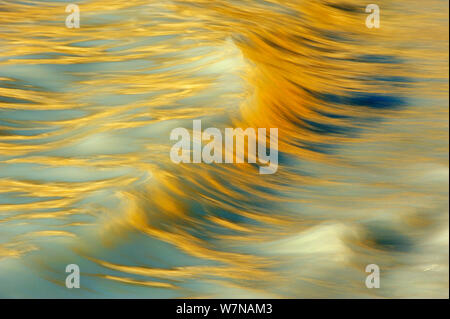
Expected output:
(86, 177)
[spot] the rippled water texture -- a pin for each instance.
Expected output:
(86, 177)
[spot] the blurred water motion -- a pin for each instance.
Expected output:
(86, 177)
